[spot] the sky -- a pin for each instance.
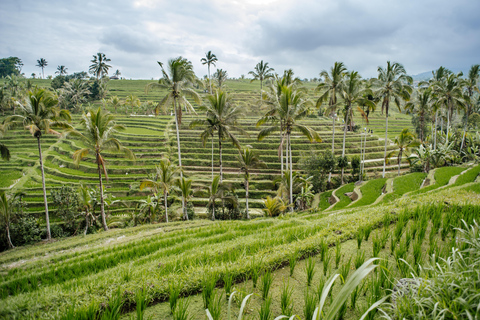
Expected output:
(306, 36)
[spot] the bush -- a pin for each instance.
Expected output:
(67, 204)
(24, 227)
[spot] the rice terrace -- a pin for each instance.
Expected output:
(263, 196)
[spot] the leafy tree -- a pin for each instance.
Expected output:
(471, 86)
(133, 101)
(222, 116)
(291, 107)
(74, 94)
(404, 141)
(249, 160)
(9, 66)
(4, 152)
(274, 206)
(221, 76)
(6, 216)
(262, 72)
(61, 70)
(100, 127)
(330, 89)
(115, 102)
(66, 201)
(215, 191)
(210, 59)
(184, 186)
(42, 63)
(99, 66)
(318, 165)
(422, 106)
(163, 181)
(391, 85)
(58, 82)
(15, 90)
(40, 114)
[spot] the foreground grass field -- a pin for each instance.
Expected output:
(45, 280)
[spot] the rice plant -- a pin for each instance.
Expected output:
(265, 312)
(292, 261)
(227, 283)
(366, 231)
(181, 311)
(310, 270)
(254, 273)
(384, 238)
(359, 237)
(141, 301)
(345, 270)
(266, 283)
(114, 307)
(215, 305)
(326, 262)
(359, 258)
(174, 294)
(398, 231)
(208, 286)
(310, 302)
(342, 311)
(286, 301)
(320, 286)
(387, 220)
(408, 239)
(376, 246)
(417, 252)
(433, 248)
(323, 249)
(338, 254)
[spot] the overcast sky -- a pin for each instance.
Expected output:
(307, 36)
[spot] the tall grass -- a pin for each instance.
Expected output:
(286, 301)
(266, 283)
(310, 270)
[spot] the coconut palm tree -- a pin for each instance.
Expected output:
(42, 63)
(86, 203)
(210, 59)
(99, 66)
(471, 86)
(117, 73)
(404, 141)
(392, 85)
(210, 126)
(133, 101)
(61, 70)
(221, 76)
(262, 72)
(449, 93)
(184, 186)
(222, 116)
(352, 93)
(249, 160)
(215, 191)
(291, 107)
(39, 115)
(115, 102)
(330, 89)
(6, 216)
(422, 105)
(163, 181)
(100, 128)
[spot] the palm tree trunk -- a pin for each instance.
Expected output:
(209, 79)
(220, 155)
(212, 157)
(386, 141)
(184, 205)
(261, 88)
(399, 160)
(213, 210)
(281, 150)
(364, 152)
(344, 136)
(86, 224)
(464, 131)
(9, 240)
(166, 205)
(435, 138)
(361, 158)
(448, 124)
(47, 219)
(291, 173)
(178, 146)
(246, 199)
(102, 203)
(333, 145)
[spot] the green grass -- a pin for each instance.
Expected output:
(343, 199)
(370, 192)
(468, 176)
(404, 184)
(323, 203)
(442, 177)
(9, 177)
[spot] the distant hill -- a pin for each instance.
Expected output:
(422, 76)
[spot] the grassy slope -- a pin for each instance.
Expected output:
(370, 192)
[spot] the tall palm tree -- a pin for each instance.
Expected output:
(210, 59)
(222, 116)
(292, 106)
(100, 128)
(423, 106)
(185, 188)
(209, 127)
(249, 159)
(404, 141)
(221, 76)
(352, 93)
(61, 70)
(177, 81)
(262, 72)
(42, 63)
(115, 102)
(471, 86)
(449, 93)
(214, 191)
(330, 89)
(6, 216)
(99, 66)
(392, 85)
(133, 101)
(40, 114)
(117, 73)
(163, 181)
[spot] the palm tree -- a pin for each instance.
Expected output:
(39, 114)
(329, 90)
(117, 73)
(222, 116)
(352, 93)
(6, 216)
(4, 152)
(221, 76)
(86, 203)
(163, 181)
(210, 59)
(61, 70)
(42, 63)
(185, 188)
(99, 66)
(449, 93)
(100, 128)
(262, 72)
(291, 107)
(404, 141)
(177, 81)
(392, 83)
(116, 102)
(422, 105)
(471, 85)
(210, 126)
(214, 191)
(274, 206)
(133, 101)
(249, 160)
